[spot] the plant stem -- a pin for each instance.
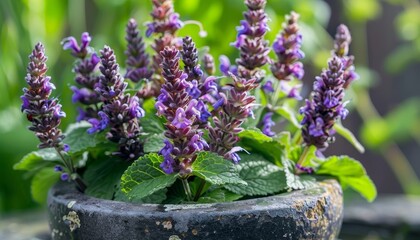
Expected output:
(80, 184)
(199, 190)
(187, 189)
(302, 158)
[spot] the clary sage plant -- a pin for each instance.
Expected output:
(169, 128)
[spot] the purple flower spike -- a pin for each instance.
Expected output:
(137, 59)
(120, 111)
(341, 49)
(268, 123)
(287, 48)
(237, 105)
(40, 109)
(182, 111)
(86, 77)
(325, 107)
(250, 40)
(164, 26)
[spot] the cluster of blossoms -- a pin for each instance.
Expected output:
(120, 111)
(250, 41)
(326, 106)
(42, 111)
(235, 108)
(86, 77)
(287, 48)
(182, 114)
(45, 113)
(164, 26)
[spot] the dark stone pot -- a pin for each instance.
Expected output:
(314, 213)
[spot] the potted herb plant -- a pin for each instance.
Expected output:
(172, 149)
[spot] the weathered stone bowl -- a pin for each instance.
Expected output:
(314, 213)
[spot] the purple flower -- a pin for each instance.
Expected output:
(287, 49)
(76, 50)
(326, 106)
(64, 176)
(42, 111)
(180, 121)
(58, 168)
(268, 123)
(341, 49)
(250, 40)
(98, 125)
(193, 90)
(137, 59)
(268, 87)
(182, 111)
(237, 107)
(304, 169)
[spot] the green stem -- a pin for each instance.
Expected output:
(187, 189)
(199, 190)
(302, 158)
(68, 163)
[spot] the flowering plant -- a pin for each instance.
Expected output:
(172, 129)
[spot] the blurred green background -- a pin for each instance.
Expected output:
(386, 46)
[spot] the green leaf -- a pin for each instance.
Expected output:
(150, 122)
(156, 198)
(103, 176)
(349, 172)
(79, 140)
(289, 114)
(348, 135)
(215, 169)
(154, 143)
(42, 182)
(219, 195)
(37, 159)
(293, 181)
(262, 177)
(272, 149)
(255, 134)
(145, 177)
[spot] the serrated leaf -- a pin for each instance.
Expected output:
(219, 195)
(293, 181)
(262, 177)
(349, 136)
(103, 176)
(153, 143)
(289, 114)
(79, 140)
(351, 173)
(42, 182)
(37, 159)
(155, 198)
(272, 149)
(215, 169)
(145, 177)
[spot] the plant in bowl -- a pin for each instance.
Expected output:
(184, 151)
